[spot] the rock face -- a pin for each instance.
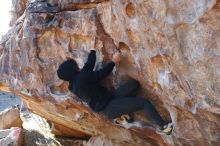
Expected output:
(10, 127)
(10, 118)
(171, 47)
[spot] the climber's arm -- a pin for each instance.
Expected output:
(90, 63)
(102, 73)
(105, 71)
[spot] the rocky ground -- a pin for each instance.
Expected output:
(36, 130)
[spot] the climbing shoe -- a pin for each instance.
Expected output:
(167, 129)
(123, 119)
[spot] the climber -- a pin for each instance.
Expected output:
(85, 83)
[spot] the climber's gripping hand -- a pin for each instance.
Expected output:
(116, 58)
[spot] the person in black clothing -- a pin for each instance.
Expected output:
(85, 83)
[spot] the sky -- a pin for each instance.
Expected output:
(5, 16)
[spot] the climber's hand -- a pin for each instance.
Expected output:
(116, 58)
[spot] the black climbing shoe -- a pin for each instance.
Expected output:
(123, 119)
(167, 129)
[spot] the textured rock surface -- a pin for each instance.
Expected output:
(172, 47)
(9, 121)
(37, 132)
(10, 118)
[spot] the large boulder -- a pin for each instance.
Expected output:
(171, 47)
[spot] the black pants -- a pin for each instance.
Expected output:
(125, 102)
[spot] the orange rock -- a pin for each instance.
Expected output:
(170, 47)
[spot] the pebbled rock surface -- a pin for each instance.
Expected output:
(171, 47)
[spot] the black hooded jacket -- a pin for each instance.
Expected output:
(86, 84)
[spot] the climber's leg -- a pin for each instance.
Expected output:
(120, 106)
(128, 89)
